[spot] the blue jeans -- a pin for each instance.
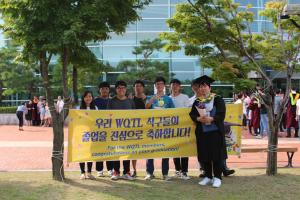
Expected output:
(164, 166)
(264, 124)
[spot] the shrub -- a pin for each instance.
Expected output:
(11, 109)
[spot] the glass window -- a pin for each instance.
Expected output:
(146, 36)
(185, 65)
(152, 25)
(181, 54)
(97, 51)
(122, 52)
(155, 12)
(178, 1)
(160, 2)
(124, 39)
(131, 27)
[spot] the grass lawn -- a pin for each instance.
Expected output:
(245, 184)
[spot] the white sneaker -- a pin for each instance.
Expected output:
(115, 176)
(127, 177)
(100, 174)
(205, 181)
(148, 177)
(185, 177)
(166, 177)
(258, 137)
(177, 174)
(217, 183)
(90, 176)
(82, 176)
(110, 173)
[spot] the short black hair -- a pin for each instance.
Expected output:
(104, 84)
(175, 81)
(122, 83)
(139, 82)
(194, 82)
(160, 79)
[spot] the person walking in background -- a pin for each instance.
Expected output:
(28, 115)
(158, 101)
(35, 111)
(87, 103)
(246, 118)
(255, 115)
(264, 120)
(101, 102)
(180, 101)
(277, 102)
(291, 114)
(42, 114)
(47, 116)
(20, 114)
(59, 105)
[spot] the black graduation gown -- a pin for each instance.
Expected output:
(211, 146)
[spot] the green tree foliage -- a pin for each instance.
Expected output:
(49, 27)
(144, 68)
(15, 75)
(220, 33)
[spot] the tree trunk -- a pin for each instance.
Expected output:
(272, 142)
(75, 84)
(58, 132)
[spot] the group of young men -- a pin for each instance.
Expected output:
(140, 101)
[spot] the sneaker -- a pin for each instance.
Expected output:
(177, 174)
(110, 173)
(134, 174)
(149, 177)
(127, 177)
(115, 176)
(82, 176)
(205, 181)
(217, 183)
(185, 177)
(100, 174)
(228, 172)
(166, 177)
(258, 137)
(90, 176)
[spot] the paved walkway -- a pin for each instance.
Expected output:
(31, 150)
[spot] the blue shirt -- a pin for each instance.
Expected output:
(101, 103)
(163, 102)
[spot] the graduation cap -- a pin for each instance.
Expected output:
(204, 80)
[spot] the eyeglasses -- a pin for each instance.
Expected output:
(121, 88)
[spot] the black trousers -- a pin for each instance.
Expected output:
(181, 164)
(20, 117)
(99, 166)
(126, 166)
(212, 166)
(89, 167)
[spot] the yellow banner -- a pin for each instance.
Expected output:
(96, 135)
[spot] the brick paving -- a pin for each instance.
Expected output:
(31, 150)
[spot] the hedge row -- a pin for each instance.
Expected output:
(11, 109)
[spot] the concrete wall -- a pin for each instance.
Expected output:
(9, 119)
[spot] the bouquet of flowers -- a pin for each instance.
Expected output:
(200, 106)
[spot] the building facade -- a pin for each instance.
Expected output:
(152, 23)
